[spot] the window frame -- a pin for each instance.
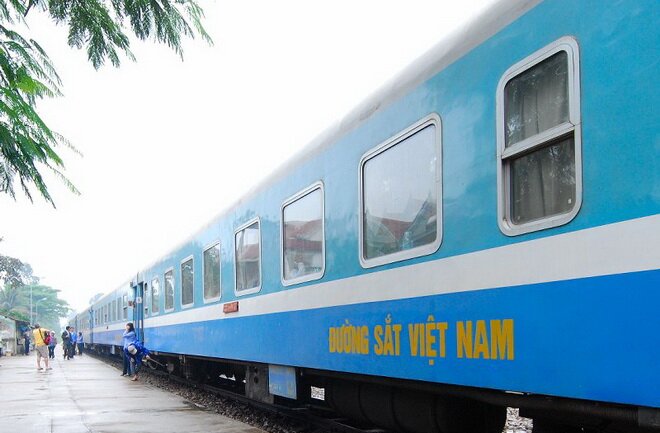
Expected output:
(153, 312)
(256, 289)
(423, 250)
(570, 46)
(146, 299)
(191, 304)
(204, 250)
(299, 195)
(165, 309)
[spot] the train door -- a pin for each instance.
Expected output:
(90, 337)
(138, 310)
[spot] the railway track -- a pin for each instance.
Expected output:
(283, 419)
(275, 418)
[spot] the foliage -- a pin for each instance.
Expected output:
(15, 273)
(16, 283)
(27, 75)
(14, 314)
(48, 310)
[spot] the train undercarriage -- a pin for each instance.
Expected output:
(407, 406)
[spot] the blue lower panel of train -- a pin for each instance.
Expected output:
(592, 338)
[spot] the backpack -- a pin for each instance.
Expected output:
(46, 339)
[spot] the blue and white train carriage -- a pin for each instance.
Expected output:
(482, 233)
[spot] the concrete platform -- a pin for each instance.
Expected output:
(85, 395)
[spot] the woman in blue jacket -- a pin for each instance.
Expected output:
(129, 338)
(137, 353)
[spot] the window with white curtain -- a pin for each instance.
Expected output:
(539, 157)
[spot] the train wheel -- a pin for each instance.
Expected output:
(455, 415)
(414, 411)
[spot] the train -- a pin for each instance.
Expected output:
(481, 233)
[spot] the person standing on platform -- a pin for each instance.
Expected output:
(41, 341)
(74, 340)
(66, 343)
(26, 343)
(51, 345)
(80, 342)
(129, 338)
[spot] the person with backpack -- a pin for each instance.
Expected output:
(41, 342)
(51, 345)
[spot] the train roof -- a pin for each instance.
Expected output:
(461, 41)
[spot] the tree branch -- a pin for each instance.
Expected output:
(29, 6)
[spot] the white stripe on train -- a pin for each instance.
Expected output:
(628, 246)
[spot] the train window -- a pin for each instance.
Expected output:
(187, 283)
(113, 310)
(211, 272)
(400, 196)
(119, 309)
(247, 249)
(302, 233)
(125, 305)
(539, 140)
(169, 290)
(155, 296)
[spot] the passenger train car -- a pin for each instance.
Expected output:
(483, 232)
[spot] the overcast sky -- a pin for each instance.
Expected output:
(168, 144)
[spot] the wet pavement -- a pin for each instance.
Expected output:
(85, 395)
